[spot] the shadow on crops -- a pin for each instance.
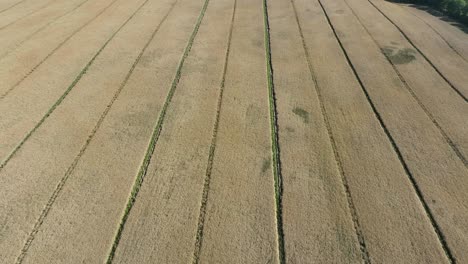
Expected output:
(463, 27)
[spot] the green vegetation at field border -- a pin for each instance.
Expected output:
(427, 210)
(274, 138)
(457, 9)
(67, 91)
(440, 34)
(206, 184)
(154, 137)
(71, 168)
(401, 57)
(420, 52)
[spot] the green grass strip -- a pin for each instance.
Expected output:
(209, 167)
(70, 169)
(274, 138)
(154, 138)
(67, 91)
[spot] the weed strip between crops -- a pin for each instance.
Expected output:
(69, 171)
(154, 138)
(278, 178)
(206, 185)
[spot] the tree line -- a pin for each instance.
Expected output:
(457, 9)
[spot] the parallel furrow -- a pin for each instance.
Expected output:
(274, 138)
(209, 167)
(439, 34)
(69, 171)
(422, 53)
(11, 6)
(357, 226)
(27, 14)
(67, 91)
(32, 34)
(411, 91)
(9, 90)
(154, 138)
(416, 187)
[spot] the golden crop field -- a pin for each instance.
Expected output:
(232, 131)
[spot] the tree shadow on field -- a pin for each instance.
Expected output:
(434, 12)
